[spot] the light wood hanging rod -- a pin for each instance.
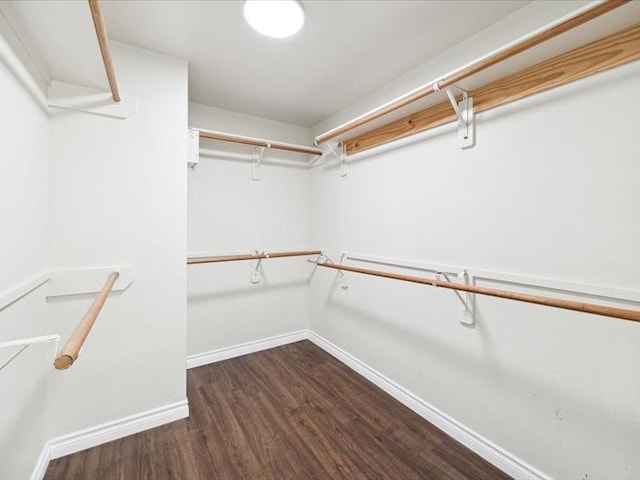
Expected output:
(619, 48)
(103, 42)
(258, 142)
(256, 256)
(622, 313)
(70, 351)
(472, 69)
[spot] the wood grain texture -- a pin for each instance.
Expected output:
(69, 353)
(292, 412)
(612, 51)
(105, 51)
(258, 142)
(257, 256)
(519, 47)
(604, 310)
(542, 37)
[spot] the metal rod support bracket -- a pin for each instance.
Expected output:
(340, 157)
(468, 315)
(24, 344)
(193, 148)
(341, 278)
(256, 161)
(256, 269)
(344, 167)
(465, 114)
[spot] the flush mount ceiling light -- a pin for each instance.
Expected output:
(274, 18)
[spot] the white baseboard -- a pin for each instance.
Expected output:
(491, 452)
(226, 353)
(41, 466)
(106, 432)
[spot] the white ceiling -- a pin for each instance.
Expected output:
(346, 50)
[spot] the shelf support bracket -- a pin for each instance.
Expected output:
(465, 114)
(340, 157)
(256, 269)
(342, 278)
(256, 161)
(193, 148)
(468, 315)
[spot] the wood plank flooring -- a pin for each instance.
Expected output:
(292, 412)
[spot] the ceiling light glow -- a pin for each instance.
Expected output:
(274, 18)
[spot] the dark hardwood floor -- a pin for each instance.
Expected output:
(293, 412)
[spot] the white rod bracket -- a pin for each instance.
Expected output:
(468, 314)
(256, 269)
(24, 343)
(256, 161)
(341, 158)
(344, 167)
(341, 277)
(193, 144)
(466, 117)
(314, 162)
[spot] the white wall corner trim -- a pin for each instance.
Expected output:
(106, 432)
(20, 57)
(226, 353)
(491, 452)
(43, 462)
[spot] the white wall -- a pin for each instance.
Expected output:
(118, 196)
(550, 190)
(230, 213)
(520, 23)
(24, 152)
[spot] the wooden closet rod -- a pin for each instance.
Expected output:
(256, 256)
(617, 49)
(69, 352)
(472, 69)
(258, 142)
(622, 313)
(103, 42)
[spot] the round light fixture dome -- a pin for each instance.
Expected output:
(274, 18)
